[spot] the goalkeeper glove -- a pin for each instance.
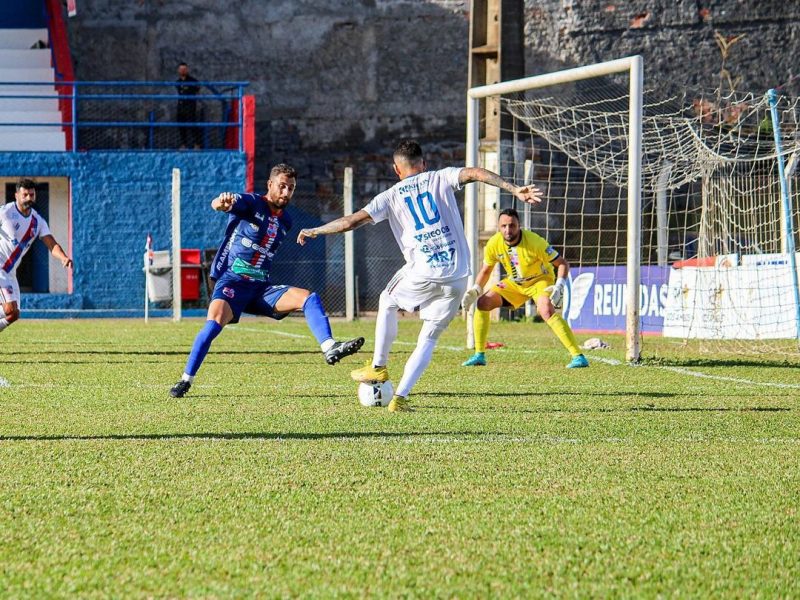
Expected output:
(471, 296)
(557, 292)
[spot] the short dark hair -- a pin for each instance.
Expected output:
(510, 212)
(183, 64)
(28, 184)
(408, 150)
(283, 169)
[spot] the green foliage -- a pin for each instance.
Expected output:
(519, 479)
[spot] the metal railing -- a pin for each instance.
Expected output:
(128, 115)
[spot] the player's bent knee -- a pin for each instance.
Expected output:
(386, 301)
(433, 329)
(12, 315)
(305, 297)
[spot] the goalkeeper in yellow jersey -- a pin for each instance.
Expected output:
(530, 263)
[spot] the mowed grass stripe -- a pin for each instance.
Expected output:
(520, 479)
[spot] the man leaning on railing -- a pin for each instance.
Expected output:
(187, 108)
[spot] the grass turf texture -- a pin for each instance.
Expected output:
(517, 479)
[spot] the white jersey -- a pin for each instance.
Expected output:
(423, 214)
(17, 234)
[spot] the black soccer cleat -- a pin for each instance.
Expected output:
(179, 389)
(341, 349)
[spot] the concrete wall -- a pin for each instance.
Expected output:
(337, 82)
(676, 38)
(117, 198)
(327, 76)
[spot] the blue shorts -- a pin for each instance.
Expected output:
(250, 296)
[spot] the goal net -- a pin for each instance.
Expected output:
(716, 217)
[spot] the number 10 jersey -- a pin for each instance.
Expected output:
(423, 214)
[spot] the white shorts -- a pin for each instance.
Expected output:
(436, 301)
(9, 288)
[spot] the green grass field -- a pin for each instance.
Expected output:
(519, 479)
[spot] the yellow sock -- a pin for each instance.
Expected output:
(563, 333)
(481, 326)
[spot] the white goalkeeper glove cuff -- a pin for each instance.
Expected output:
(471, 296)
(557, 292)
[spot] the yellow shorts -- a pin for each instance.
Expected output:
(517, 295)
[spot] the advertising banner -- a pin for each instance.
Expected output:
(596, 301)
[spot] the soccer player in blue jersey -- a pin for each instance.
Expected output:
(256, 227)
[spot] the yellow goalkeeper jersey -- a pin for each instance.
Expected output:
(527, 262)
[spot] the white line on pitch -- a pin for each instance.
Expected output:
(4, 382)
(684, 371)
(608, 361)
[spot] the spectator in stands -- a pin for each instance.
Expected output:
(187, 108)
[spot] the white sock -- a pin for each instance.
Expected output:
(187, 377)
(327, 344)
(385, 330)
(416, 365)
(4, 323)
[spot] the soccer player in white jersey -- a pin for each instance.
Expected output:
(424, 218)
(20, 225)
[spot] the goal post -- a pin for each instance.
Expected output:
(633, 66)
(671, 203)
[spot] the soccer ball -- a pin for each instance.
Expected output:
(375, 394)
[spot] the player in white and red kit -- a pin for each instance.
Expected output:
(424, 218)
(20, 226)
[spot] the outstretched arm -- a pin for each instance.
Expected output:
(57, 251)
(223, 202)
(348, 223)
(527, 193)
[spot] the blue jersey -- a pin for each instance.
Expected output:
(252, 237)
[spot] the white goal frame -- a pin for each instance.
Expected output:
(633, 65)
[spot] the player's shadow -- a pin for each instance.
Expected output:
(155, 357)
(732, 362)
(232, 436)
(709, 409)
(182, 352)
(523, 394)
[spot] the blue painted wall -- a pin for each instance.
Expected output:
(22, 14)
(117, 197)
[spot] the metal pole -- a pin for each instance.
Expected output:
(633, 344)
(471, 205)
(349, 250)
(786, 203)
(176, 244)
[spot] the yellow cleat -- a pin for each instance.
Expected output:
(400, 404)
(370, 374)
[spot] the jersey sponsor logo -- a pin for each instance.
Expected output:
(442, 257)
(254, 226)
(248, 243)
(228, 292)
(431, 234)
(259, 216)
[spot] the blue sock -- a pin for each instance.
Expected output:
(201, 345)
(316, 318)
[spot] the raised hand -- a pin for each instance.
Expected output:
(225, 201)
(530, 194)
